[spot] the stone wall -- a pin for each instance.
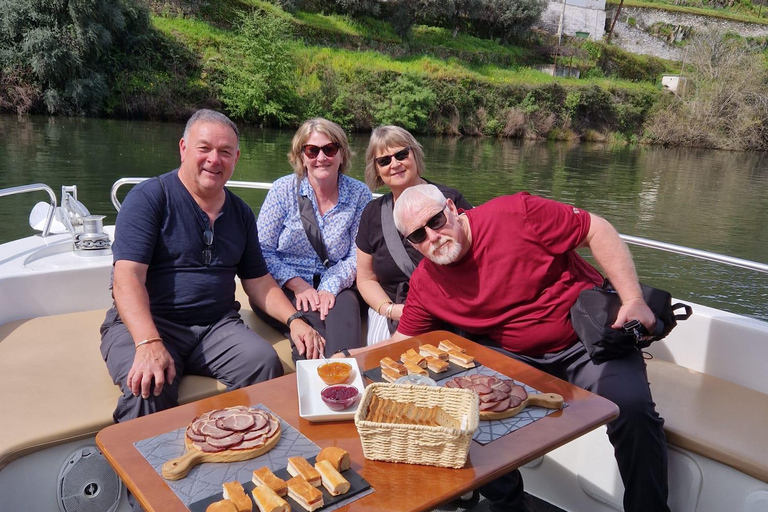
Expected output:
(592, 16)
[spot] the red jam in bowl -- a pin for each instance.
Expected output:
(340, 396)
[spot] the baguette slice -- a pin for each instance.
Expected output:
(332, 479)
(461, 359)
(433, 351)
(338, 457)
(437, 365)
(304, 493)
(298, 466)
(234, 492)
(413, 368)
(449, 345)
(414, 357)
(263, 476)
(267, 500)
(391, 375)
(221, 506)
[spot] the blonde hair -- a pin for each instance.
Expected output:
(413, 200)
(389, 136)
(320, 125)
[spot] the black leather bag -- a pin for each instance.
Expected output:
(596, 310)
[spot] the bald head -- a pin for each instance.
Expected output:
(414, 200)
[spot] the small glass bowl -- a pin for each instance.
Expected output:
(334, 372)
(339, 396)
(416, 380)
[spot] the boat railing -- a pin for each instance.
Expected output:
(634, 240)
(35, 187)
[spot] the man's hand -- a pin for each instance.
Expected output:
(308, 341)
(151, 361)
(635, 309)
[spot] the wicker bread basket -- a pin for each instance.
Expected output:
(419, 444)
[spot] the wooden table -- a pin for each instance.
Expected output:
(397, 485)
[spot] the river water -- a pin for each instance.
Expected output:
(709, 200)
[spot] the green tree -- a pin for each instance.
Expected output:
(259, 84)
(61, 55)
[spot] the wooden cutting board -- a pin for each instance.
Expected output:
(176, 469)
(547, 400)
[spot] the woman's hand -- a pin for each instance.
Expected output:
(327, 301)
(307, 297)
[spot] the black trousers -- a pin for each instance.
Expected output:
(342, 328)
(637, 435)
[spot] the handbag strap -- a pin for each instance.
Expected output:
(393, 240)
(309, 221)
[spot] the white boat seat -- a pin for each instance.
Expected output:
(55, 385)
(712, 417)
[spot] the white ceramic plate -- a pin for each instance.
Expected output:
(309, 384)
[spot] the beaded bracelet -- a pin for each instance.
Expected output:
(148, 340)
(378, 308)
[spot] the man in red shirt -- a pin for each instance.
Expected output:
(507, 274)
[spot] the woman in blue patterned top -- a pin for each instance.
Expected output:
(331, 204)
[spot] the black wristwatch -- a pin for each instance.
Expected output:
(294, 316)
(345, 352)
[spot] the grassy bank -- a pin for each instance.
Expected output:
(267, 67)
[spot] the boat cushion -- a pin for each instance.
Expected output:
(56, 387)
(712, 417)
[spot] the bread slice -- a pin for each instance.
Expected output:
(461, 359)
(413, 368)
(304, 493)
(298, 466)
(234, 492)
(413, 357)
(267, 499)
(390, 375)
(264, 476)
(433, 351)
(221, 506)
(338, 457)
(332, 479)
(393, 365)
(437, 365)
(447, 346)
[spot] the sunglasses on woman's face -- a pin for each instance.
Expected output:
(311, 151)
(384, 161)
(434, 223)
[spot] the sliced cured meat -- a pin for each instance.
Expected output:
(250, 443)
(481, 389)
(237, 421)
(487, 406)
(194, 437)
(219, 413)
(274, 426)
(519, 391)
(514, 401)
(452, 384)
(502, 386)
(464, 382)
(210, 430)
(226, 442)
(501, 406)
(207, 448)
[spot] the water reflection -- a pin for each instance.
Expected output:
(710, 200)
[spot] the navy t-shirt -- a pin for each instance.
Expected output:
(161, 225)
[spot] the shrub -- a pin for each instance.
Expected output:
(407, 101)
(259, 74)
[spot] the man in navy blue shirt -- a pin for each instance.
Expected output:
(180, 240)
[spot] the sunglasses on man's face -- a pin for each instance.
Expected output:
(434, 223)
(311, 151)
(384, 161)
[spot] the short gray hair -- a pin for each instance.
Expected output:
(205, 115)
(413, 200)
